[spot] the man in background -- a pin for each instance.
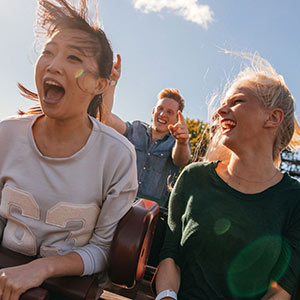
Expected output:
(162, 148)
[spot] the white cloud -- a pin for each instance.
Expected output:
(189, 9)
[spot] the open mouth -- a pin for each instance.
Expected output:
(160, 121)
(227, 125)
(53, 91)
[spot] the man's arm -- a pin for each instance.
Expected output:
(109, 118)
(181, 151)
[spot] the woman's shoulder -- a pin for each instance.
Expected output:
(196, 171)
(290, 185)
(112, 137)
(200, 167)
(16, 121)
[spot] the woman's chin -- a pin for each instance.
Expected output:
(52, 101)
(229, 142)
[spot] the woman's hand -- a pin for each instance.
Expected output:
(15, 281)
(116, 70)
(276, 292)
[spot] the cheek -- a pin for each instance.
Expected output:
(87, 84)
(155, 114)
(38, 75)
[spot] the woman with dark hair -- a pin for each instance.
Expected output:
(234, 219)
(65, 178)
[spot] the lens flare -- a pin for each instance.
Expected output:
(79, 73)
(250, 271)
(222, 225)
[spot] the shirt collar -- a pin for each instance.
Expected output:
(165, 137)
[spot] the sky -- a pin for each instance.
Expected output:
(165, 44)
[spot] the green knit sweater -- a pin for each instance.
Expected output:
(230, 245)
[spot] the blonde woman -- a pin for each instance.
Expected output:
(234, 222)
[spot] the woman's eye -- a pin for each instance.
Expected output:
(237, 101)
(75, 58)
(46, 52)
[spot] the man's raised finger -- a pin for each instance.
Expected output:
(180, 117)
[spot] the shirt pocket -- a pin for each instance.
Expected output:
(159, 161)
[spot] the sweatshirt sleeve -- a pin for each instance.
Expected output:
(118, 200)
(2, 220)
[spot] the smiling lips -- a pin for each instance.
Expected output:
(160, 121)
(227, 125)
(53, 91)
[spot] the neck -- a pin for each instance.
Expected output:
(256, 168)
(156, 135)
(61, 138)
(249, 176)
(65, 129)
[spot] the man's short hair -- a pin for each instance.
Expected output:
(172, 94)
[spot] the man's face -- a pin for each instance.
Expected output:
(164, 114)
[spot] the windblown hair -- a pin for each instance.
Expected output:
(270, 88)
(172, 94)
(53, 15)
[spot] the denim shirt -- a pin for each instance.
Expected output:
(156, 170)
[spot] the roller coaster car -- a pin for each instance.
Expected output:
(128, 262)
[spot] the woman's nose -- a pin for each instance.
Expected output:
(223, 110)
(55, 65)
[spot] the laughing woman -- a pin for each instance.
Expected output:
(234, 223)
(65, 178)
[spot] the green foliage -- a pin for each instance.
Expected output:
(199, 137)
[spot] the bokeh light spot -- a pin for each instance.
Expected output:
(251, 270)
(222, 225)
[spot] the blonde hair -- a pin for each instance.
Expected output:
(270, 88)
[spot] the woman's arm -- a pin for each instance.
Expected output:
(169, 273)
(15, 281)
(276, 293)
(119, 186)
(109, 118)
(168, 276)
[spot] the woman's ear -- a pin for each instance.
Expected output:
(275, 118)
(101, 85)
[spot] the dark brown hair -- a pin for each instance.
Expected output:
(53, 15)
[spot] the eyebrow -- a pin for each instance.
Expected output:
(232, 97)
(79, 49)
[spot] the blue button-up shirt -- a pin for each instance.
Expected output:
(156, 170)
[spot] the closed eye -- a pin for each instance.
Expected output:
(46, 52)
(237, 101)
(75, 58)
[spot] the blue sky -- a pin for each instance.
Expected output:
(165, 43)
